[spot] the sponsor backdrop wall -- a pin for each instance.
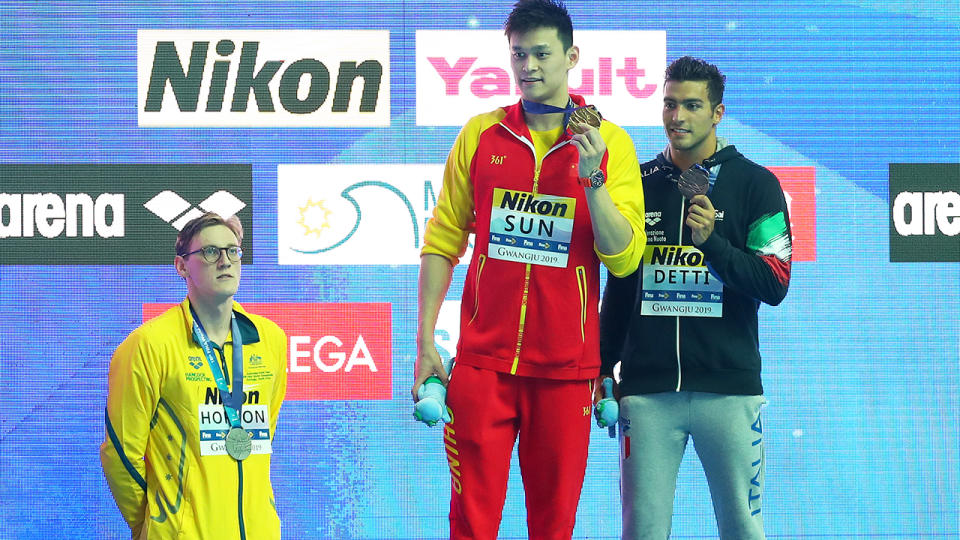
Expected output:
(324, 126)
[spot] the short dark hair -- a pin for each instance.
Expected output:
(529, 15)
(197, 224)
(689, 68)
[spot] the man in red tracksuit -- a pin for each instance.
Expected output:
(546, 205)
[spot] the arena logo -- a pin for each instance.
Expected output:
(924, 212)
(263, 78)
(799, 186)
(464, 73)
(52, 215)
(177, 211)
(112, 214)
(334, 352)
(354, 214)
(927, 213)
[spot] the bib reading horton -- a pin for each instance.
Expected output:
(548, 198)
(192, 404)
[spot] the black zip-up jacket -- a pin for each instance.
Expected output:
(749, 251)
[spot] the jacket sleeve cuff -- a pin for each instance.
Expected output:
(626, 262)
(430, 250)
(618, 263)
(713, 246)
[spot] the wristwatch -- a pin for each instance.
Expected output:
(595, 180)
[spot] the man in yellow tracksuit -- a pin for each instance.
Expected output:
(192, 406)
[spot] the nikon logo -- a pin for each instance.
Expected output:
(227, 78)
(676, 256)
(50, 215)
(925, 212)
(526, 202)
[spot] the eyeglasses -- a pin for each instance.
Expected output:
(211, 254)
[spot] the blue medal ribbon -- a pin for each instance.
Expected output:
(533, 107)
(232, 401)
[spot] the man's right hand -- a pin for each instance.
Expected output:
(428, 363)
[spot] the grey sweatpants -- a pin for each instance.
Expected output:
(727, 436)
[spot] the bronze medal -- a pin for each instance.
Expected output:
(694, 181)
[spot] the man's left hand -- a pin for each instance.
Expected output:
(700, 218)
(591, 147)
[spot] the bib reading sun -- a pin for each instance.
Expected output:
(531, 228)
(676, 282)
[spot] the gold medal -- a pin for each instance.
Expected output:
(584, 118)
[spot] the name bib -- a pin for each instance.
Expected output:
(531, 228)
(214, 425)
(676, 282)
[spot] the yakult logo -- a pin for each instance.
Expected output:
(464, 73)
(334, 351)
(254, 78)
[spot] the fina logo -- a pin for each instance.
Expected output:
(177, 211)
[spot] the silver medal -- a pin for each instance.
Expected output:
(238, 443)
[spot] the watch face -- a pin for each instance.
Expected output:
(597, 178)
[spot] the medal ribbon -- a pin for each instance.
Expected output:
(232, 401)
(533, 107)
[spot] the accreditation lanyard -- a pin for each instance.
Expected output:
(232, 401)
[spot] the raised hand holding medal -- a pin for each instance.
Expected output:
(694, 184)
(584, 124)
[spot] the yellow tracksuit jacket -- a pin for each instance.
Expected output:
(168, 473)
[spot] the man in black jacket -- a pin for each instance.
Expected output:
(684, 325)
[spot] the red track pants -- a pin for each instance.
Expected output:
(490, 410)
